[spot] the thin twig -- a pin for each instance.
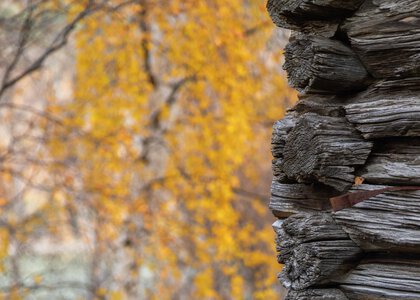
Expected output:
(59, 41)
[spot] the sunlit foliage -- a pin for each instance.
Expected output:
(159, 162)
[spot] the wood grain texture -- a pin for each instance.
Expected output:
(315, 16)
(317, 294)
(323, 105)
(383, 278)
(290, 198)
(321, 65)
(393, 162)
(389, 108)
(356, 65)
(305, 228)
(313, 249)
(386, 36)
(389, 221)
(324, 149)
(279, 134)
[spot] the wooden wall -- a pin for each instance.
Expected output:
(356, 128)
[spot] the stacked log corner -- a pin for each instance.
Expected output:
(356, 127)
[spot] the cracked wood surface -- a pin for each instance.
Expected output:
(324, 149)
(389, 221)
(386, 36)
(388, 278)
(356, 65)
(318, 64)
(314, 249)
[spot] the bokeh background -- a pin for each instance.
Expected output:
(135, 149)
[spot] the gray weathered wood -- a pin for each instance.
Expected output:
(357, 67)
(313, 249)
(290, 198)
(320, 16)
(386, 36)
(387, 109)
(324, 149)
(324, 105)
(393, 162)
(276, 166)
(383, 278)
(389, 221)
(316, 263)
(304, 228)
(278, 174)
(316, 64)
(280, 130)
(316, 9)
(317, 294)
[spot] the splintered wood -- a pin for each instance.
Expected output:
(346, 186)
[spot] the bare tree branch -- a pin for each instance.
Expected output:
(146, 45)
(32, 110)
(59, 41)
(23, 39)
(169, 101)
(256, 28)
(249, 194)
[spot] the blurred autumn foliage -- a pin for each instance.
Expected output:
(134, 157)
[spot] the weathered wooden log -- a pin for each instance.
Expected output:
(389, 221)
(278, 174)
(280, 131)
(322, 65)
(393, 162)
(315, 263)
(359, 84)
(386, 36)
(312, 9)
(387, 109)
(320, 16)
(324, 149)
(313, 249)
(287, 199)
(276, 166)
(323, 105)
(316, 294)
(304, 228)
(383, 279)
